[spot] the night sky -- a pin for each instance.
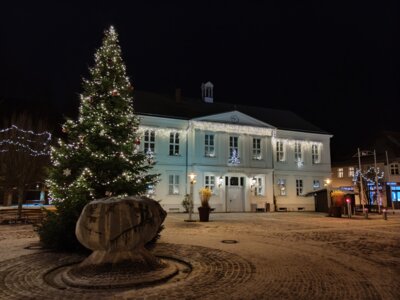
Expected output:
(335, 64)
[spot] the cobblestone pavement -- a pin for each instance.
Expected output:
(277, 256)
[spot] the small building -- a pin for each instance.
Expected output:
(387, 153)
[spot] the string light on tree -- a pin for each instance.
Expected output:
(101, 155)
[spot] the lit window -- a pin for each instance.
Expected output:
(299, 187)
(256, 148)
(315, 154)
(174, 143)
(316, 184)
(394, 169)
(209, 149)
(282, 186)
(149, 141)
(173, 185)
(233, 150)
(209, 182)
(297, 152)
(280, 154)
(150, 191)
(259, 188)
(351, 171)
(340, 172)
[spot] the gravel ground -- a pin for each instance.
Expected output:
(277, 256)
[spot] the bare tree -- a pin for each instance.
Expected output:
(24, 154)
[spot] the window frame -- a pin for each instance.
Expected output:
(149, 139)
(174, 184)
(209, 143)
(232, 140)
(315, 155)
(256, 148)
(210, 182)
(299, 187)
(280, 151)
(282, 186)
(298, 155)
(394, 169)
(351, 172)
(340, 172)
(174, 142)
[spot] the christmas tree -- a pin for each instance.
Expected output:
(101, 155)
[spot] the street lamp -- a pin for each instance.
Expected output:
(192, 178)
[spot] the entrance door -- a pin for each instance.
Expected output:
(235, 194)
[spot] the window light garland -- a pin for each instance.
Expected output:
(163, 132)
(292, 142)
(230, 128)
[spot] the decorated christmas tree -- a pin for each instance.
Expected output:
(100, 156)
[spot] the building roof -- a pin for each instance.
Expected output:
(148, 103)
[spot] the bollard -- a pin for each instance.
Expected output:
(366, 213)
(384, 211)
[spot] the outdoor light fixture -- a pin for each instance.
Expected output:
(220, 181)
(192, 178)
(253, 182)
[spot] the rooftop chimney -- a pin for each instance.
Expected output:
(207, 92)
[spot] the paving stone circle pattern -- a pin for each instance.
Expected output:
(37, 276)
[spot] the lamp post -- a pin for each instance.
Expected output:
(361, 181)
(378, 200)
(192, 178)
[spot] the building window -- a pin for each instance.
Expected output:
(259, 188)
(233, 150)
(340, 172)
(299, 187)
(150, 191)
(149, 141)
(282, 186)
(351, 171)
(256, 149)
(209, 149)
(297, 152)
(280, 153)
(173, 185)
(394, 169)
(209, 182)
(315, 154)
(174, 143)
(316, 184)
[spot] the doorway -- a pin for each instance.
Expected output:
(234, 193)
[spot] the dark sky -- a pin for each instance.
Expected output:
(336, 64)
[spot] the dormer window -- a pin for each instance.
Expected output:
(207, 93)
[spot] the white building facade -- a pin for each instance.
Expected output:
(248, 163)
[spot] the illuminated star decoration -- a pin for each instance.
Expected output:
(67, 172)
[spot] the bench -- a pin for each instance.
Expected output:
(28, 215)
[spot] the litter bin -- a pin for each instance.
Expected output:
(384, 211)
(366, 213)
(336, 211)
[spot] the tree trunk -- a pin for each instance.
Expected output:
(20, 201)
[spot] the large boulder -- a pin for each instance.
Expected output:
(117, 229)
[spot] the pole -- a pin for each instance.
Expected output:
(377, 185)
(191, 200)
(389, 179)
(361, 182)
